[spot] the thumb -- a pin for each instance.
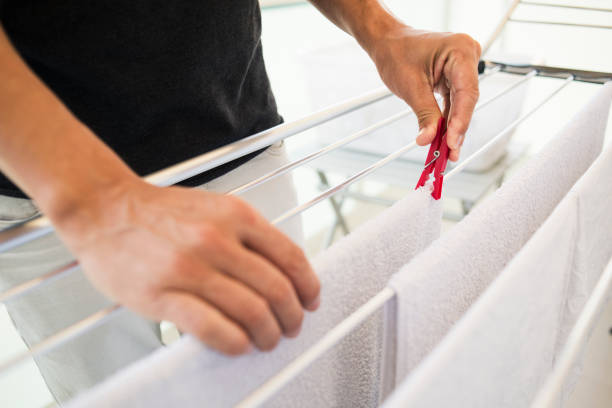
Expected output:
(425, 106)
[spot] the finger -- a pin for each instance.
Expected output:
(420, 97)
(194, 316)
(265, 279)
(454, 155)
(442, 88)
(266, 240)
(463, 77)
(235, 301)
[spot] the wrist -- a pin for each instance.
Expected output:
(376, 26)
(81, 192)
(75, 211)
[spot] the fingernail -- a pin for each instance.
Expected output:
(314, 305)
(457, 143)
(420, 135)
(460, 141)
(294, 333)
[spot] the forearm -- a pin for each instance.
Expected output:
(44, 149)
(414, 64)
(365, 20)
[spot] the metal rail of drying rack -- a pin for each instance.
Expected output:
(40, 226)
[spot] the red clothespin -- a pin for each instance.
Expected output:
(436, 161)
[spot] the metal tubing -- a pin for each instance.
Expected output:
(28, 231)
(500, 26)
(358, 176)
(225, 154)
(97, 318)
(20, 234)
(594, 77)
(567, 6)
(336, 145)
(63, 336)
(507, 130)
(359, 316)
(344, 141)
(335, 335)
(48, 344)
(27, 286)
(378, 164)
(38, 282)
(33, 229)
(560, 23)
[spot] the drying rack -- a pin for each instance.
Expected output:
(40, 226)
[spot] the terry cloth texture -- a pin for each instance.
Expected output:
(437, 287)
(188, 374)
(500, 353)
(561, 382)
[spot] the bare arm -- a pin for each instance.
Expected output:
(209, 263)
(414, 64)
(42, 143)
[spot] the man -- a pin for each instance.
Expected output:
(95, 94)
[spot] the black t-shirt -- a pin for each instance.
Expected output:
(158, 81)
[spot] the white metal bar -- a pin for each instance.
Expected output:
(283, 377)
(28, 231)
(506, 130)
(96, 319)
(32, 284)
(328, 193)
(38, 282)
(270, 387)
(38, 227)
(560, 23)
(63, 336)
(595, 77)
(500, 26)
(49, 344)
(344, 141)
(23, 233)
(378, 164)
(567, 6)
(573, 346)
(225, 154)
(338, 144)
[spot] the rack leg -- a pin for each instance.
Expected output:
(336, 207)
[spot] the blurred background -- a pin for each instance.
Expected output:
(312, 64)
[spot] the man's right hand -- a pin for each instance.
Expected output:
(207, 262)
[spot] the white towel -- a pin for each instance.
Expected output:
(503, 349)
(187, 374)
(440, 284)
(485, 361)
(558, 386)
(593, 249)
